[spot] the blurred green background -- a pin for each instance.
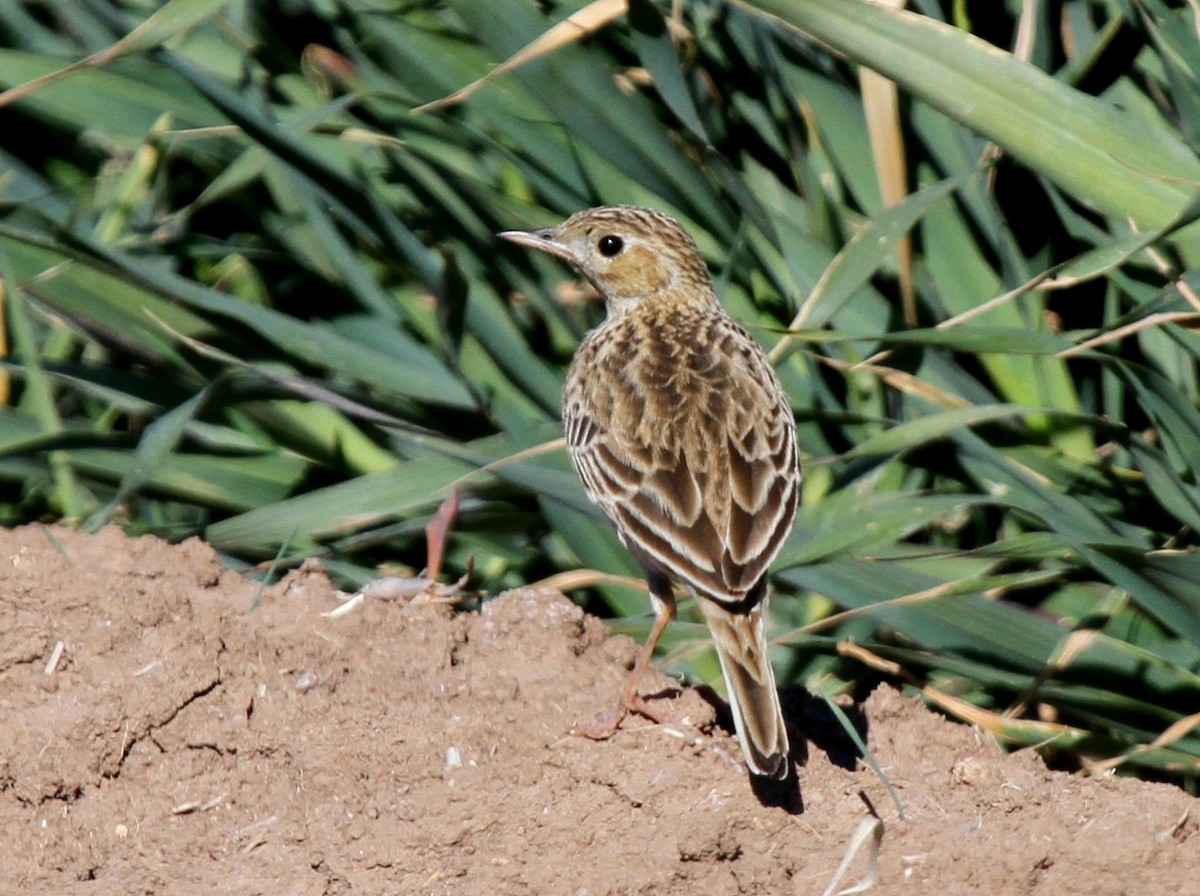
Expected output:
(251, 292)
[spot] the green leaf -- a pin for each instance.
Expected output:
(657, 53)
(1121, 165)
(867, 250)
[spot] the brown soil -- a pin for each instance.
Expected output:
(186, 743)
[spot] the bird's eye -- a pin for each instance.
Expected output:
(610, 245)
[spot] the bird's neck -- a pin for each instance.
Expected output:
(665, 302)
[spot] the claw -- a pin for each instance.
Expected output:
(417, 589)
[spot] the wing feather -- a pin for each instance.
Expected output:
(687, 447)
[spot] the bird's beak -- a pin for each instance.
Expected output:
(538, 239)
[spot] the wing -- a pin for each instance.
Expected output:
(688, 446)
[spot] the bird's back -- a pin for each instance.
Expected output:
(681, 434)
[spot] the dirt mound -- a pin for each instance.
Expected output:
(196, 735)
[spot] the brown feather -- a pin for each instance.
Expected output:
(706, 444)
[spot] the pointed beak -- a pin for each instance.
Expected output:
(537, 239)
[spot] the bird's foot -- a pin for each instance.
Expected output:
(604, 726)
(406, 590)
(607, 723)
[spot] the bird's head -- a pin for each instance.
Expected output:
(627, 253)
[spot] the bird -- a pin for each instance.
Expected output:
(678, 426)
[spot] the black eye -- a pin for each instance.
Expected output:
(610, 245)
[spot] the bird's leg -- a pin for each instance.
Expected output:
(631, 701)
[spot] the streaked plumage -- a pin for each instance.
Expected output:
(684, 438)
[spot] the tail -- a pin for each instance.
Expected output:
(741, 643)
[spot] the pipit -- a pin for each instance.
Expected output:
(682, 435)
